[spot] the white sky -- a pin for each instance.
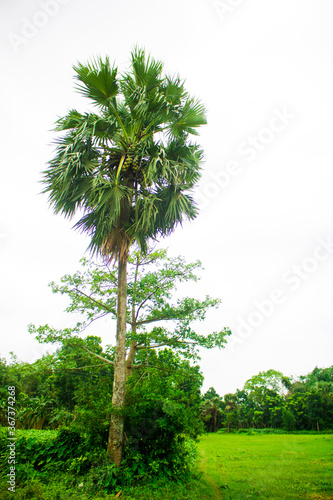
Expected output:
(270, 209)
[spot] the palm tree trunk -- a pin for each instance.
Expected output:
(116, 431)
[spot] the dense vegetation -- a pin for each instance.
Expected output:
(70, 392)
(62, 405)
(271, 400)
(68, 388)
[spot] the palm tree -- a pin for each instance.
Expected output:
(128, 170)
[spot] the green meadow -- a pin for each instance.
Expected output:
(286, 466)
(261, 467)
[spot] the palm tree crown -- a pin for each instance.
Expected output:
(131, 166)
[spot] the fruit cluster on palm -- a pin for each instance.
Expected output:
(129, 170)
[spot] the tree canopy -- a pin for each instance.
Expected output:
(156, 318)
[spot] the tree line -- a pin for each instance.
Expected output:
(272, 400)
(68, 388)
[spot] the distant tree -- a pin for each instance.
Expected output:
(230, 409)
(288, 419)
(211, 394)
(271, 379)
(310, 400)
(212, 407)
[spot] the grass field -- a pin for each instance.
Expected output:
(268, 467)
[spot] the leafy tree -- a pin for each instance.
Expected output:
(272, 405)
(318, 376)
(128, 170)
(83, 385)
(272, 380)
(230, 409)
(162, 408)
(152, 305)
(315, 408)
(34, 395)
(59, 387)
(288, 419)
(243, 408)
(264, 398)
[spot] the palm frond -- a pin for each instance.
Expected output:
(71, 120)
(174, 92)
(98, 81)
(146, 70)
(191, 116)
(70, 174)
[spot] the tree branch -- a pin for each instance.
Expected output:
(152, 320)
(94, 319)
(149, 296)
(96, 301)
(172, 341)
(165, 370)
(78, 367)
(94, 354)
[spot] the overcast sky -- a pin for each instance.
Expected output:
(263, 69)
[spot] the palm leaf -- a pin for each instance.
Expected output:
(146, 71)
(98, 81)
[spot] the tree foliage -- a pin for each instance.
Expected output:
(152, 305)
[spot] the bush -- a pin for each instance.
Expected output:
(41, 453)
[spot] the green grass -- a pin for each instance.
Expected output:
(268, 467)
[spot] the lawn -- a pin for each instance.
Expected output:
(268, 467)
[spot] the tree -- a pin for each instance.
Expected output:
(271, 380)
(152, 306)
(288, 419)
(129, 170)
(212, 407)
(265, 398)
(230, 408)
